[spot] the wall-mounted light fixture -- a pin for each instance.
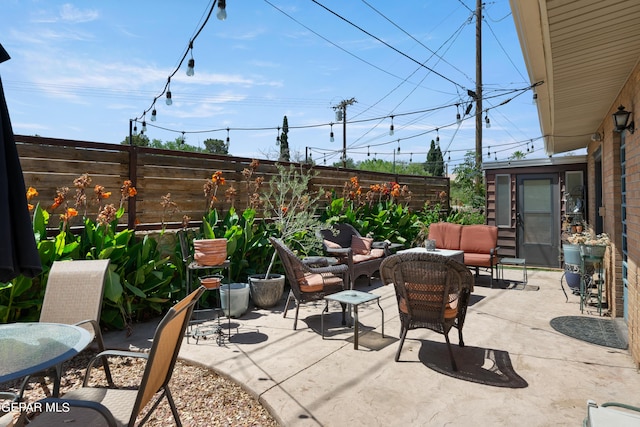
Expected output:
(621, 118)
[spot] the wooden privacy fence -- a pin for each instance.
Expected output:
(49, 164)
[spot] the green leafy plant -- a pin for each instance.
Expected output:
(290, 206)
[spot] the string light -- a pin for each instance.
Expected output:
(229, 140)
(278, 136)
(391, 127)
(192, 63)
(398, 146)
(169, 101)
(153, 115)
(437, 136)
(487, 121)
(458, 118)
(222, 10)
(331, 138)
(489, 151)
(144, 125)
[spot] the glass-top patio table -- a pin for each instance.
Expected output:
(354, 299)
(28, 348)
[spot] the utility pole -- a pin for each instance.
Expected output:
(341, 114)
(479, 84)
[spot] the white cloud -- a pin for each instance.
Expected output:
(69, 13)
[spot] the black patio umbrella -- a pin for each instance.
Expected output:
(18, 251)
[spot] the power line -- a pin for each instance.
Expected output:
(389, 46)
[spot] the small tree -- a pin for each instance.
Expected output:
(215, 146)
(284, 141)
(138, 139)
(468, 186)
(435, 163)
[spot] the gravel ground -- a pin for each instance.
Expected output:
(203, 398)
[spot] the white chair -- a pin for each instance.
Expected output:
(611, 414)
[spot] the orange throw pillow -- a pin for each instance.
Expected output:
(361, 245)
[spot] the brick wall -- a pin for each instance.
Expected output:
(612, 202)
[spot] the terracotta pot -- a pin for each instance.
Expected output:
(211, 282)
(210, 251)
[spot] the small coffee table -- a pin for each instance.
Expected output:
(451, 253)
(354, 299)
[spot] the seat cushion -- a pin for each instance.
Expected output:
(479, 260)
(361, 245)
(314, 282)
(450, 311)
(374, 254)
(446, 235)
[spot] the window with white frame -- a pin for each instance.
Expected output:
(503, 200)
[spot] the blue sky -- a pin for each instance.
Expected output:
(82, 69)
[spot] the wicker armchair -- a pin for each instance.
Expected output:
(309, 283)
(432, 292)
(339, 245)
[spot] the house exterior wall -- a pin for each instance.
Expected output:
(612, 203)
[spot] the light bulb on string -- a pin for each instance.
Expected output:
(135, 128)
(410, 157)
(458, 118)
(153, 115)
(487, 121)
(228, 139)
(391, 127)
(278, 137)
(182, 140)
(489, 152)
(331, 138)
(496, 157)
(222, 10)
(324, 159)
(169, 101)
(437, 136)
(191, 64)
(368, 153)
(144, 125)
(398, 146)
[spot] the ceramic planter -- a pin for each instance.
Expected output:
(266, 293)
(234, 298)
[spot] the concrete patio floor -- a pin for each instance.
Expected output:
(514, 370)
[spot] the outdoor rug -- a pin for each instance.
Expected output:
(595, 330)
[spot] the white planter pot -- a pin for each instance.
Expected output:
(234, 298)
(266, 293)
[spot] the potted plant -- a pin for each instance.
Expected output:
(290, 206)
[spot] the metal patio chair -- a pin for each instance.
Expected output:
(121, 407)
(73, 296)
